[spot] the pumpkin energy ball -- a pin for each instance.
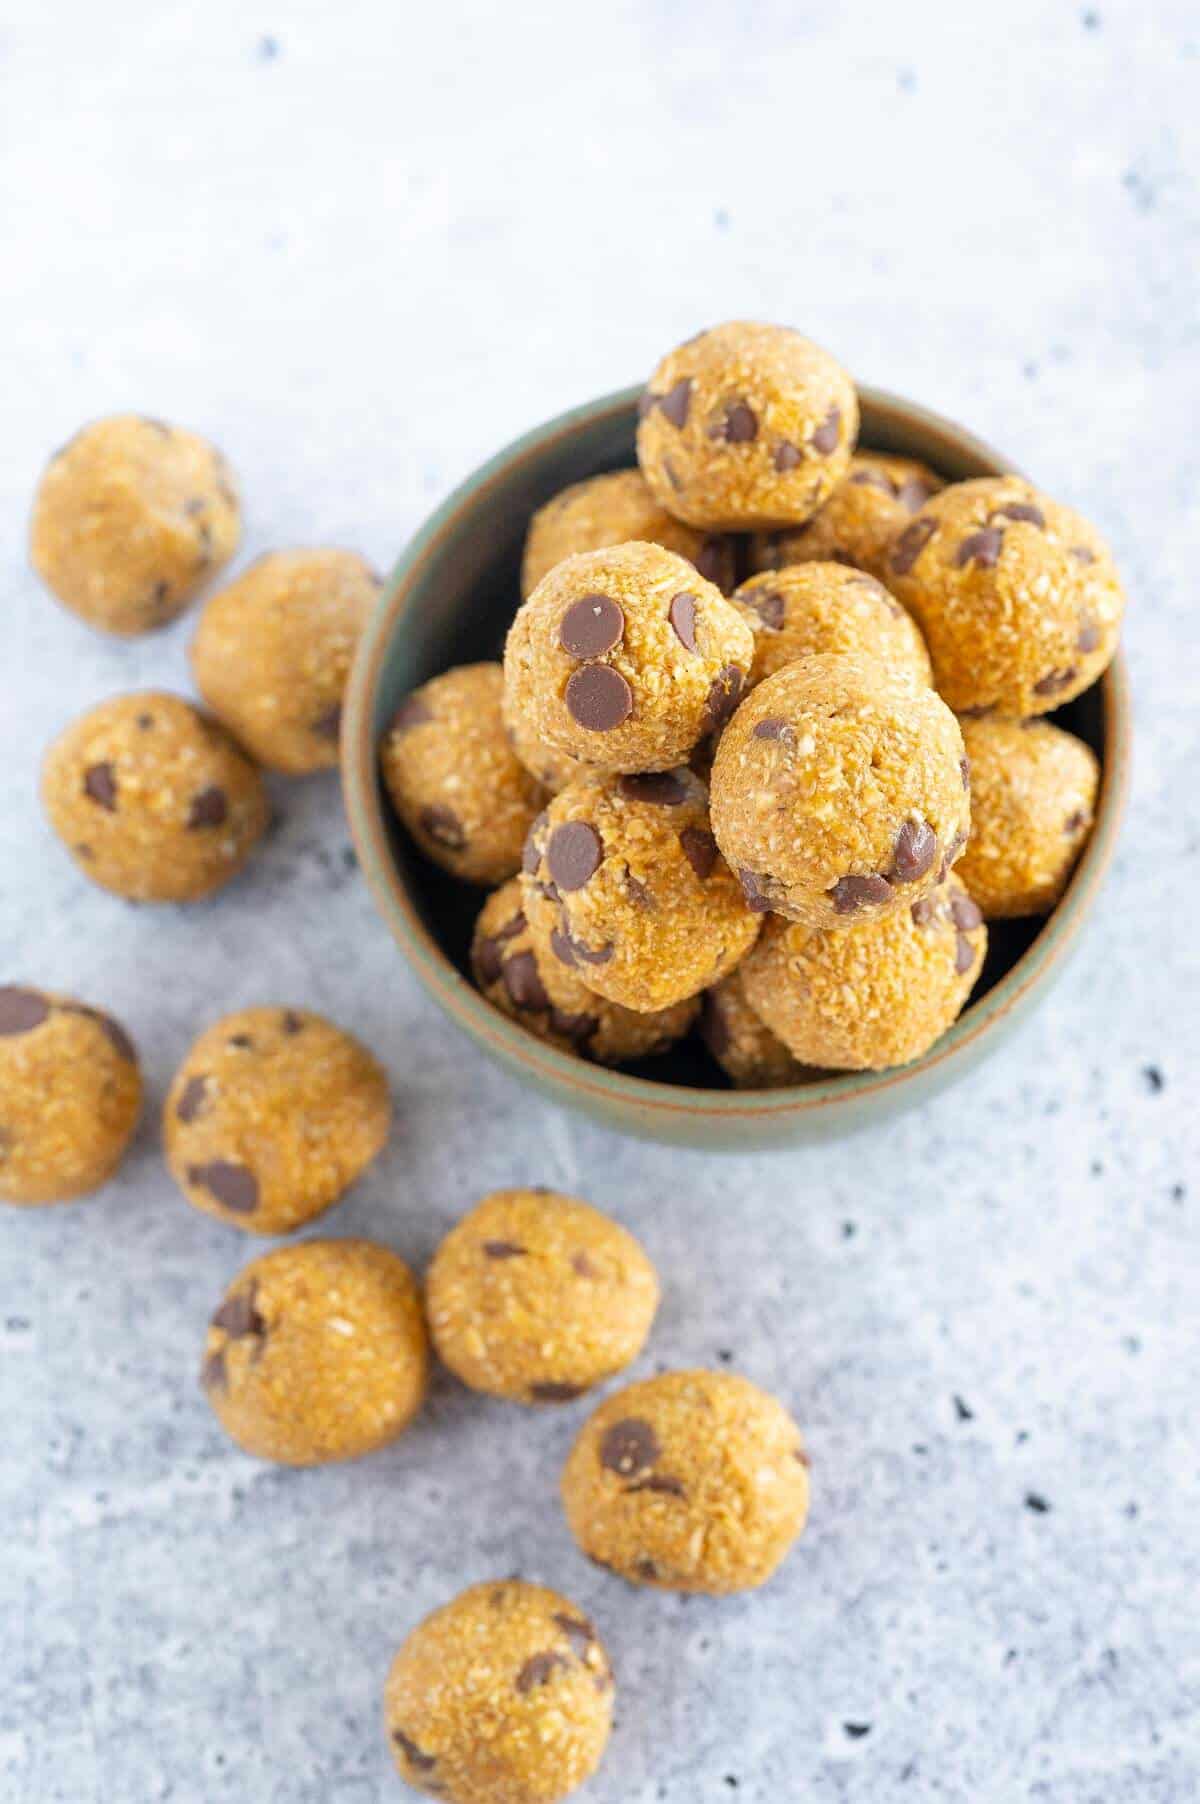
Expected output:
(317, 1353)
(533, 987)
(874, 998)
(623, 658)
(537, 1297)
(70, 1095)
(749, 1054)
(273, 651)
(612, 510)
(694, 1481)
(839, 792)
(1018, 597)
(130, 519)
(453, 776)
(503, 1696)
(623, 884)
(272, 1115)
(746, 426)
(806, 609)
(152, 798)
(1033, 800)
(875, 501)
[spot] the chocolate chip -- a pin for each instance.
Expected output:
(413, 711)
(1083, 554)
(671, 474)
(511, 928)
(238, 1314)
(521, 980)
(1055, 680)
(1019, 510)
(756, 896)
(913, 493)
(577, 1028)
(850, 894)
(551, 1392)
(443, 826)
(563, 947)
(770, 607)
(873, 479)
(21, 1010)
(965, 913)
(234, 1186)
(629, 1446)
(700, 849)
(682, 615)
(964, 954)
(639, 893)
(724, 694)
(982, 548)
(715, 560)
(663, 788)
(112, 1030)
(647, 401)
(775, 727)
(964, 765)
(100, 785)
(420, 1762)
(591, 626)
(787, 456)
(583, 1267)
(243, 1042)
(598, 698)
(537, 1670)
(598, 956)
(675, 403)
(145, 722)
(801, 1458)
(193, 1099)
(503, 1249)
(738, 425)
(666, 1486)
(825, 438)
(531, 856)
(916, 850)
(488, 960)
(1089, 634)
(647, 1571)
(911, 544)
(291, 1023)
(213, 1375)
(574, 854)
(329, 724)
(925, 911)
(210, 808)
(579, 1632)
(1076, 820)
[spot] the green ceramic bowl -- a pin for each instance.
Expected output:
(450, 600)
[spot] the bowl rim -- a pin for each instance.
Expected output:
(365, 808)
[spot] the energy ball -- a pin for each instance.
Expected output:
(749, 1054)
(874, 998)
(317, 1353)
(503, 1696)
(807, 609)
(534, 988)
(840, 792)
(130, 520)
(746, 426)
(153, 799)
(623, 658)
(70, 1096)
(612, 510)
(869, 507)
(695, 1481)
(272, 1115)
(623, 884)
(273, 651)
(453, 776)
(553, 770)
(536, 1297)
(1018, 597)
(1033, 800)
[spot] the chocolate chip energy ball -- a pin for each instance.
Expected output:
(130, 520)
(1033, 800)
(70, 1095)
(454, 778)
(873, 503)
(806, 609)
(503, 1696)
(695, 1481)
(1018, 597)
(623, 885)
(317, 1353)
(749, 1054)
(874, 998)
(624, 658)
(525, 981)
(537, 1297)
(839, 792)
(552, 769)
(272, 1115)
(273, 651)
(152, 798)
(746, 426)
(612, 510)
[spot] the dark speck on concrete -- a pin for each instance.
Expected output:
(350, 858)
(268, 50)
(731, 1781)
(1097, 1168)
(1178, 1192)
(1035, 1502)
(1132, 1343)
(1090, 20)
(849, 1230)
(1155, 1081)
(1022, 1436)
(724, 1354)
(920, 1447)
(721, 221)
(963, 1411)
(856, 1731)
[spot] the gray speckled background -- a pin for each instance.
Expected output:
(363, 245)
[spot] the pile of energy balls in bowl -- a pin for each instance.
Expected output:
(766, 751)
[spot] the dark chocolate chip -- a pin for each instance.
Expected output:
(700, 849)
(420, 1762)
(1075, 821)
(647, 401)
(737, 426)
(413, 711)
(663, 788)
(213, 1375)
(243, 1042)
(982, 548)
(443, 826)
(193, 1099)
(537, 1670)
(112, 1030)
(850, 894)
(925, 911)
(675, 403)
(724, 694)
(579, 1632)
(825, 438)
(100, 785)
(770, 607)
(715, 560)
(1055, 680)
(550, 1391)
(488, 960)
(913, 493)
(671, 474)
(234, 1186)
(647, 1571)
(629, 1446)
(21, 1010)
(775, 727)
(503, 1249)
(210, 808)
(598, 698)
(238, 1314)
(511, 928)
(787, 456)
(873, 479)
(563, 947)
(329, 724)
(145, 722)
(665, 1486)
(1089, 634)
(964, 765)
(574, 854)
(577, 1028)
(682, 615)
(757, 900)
(964, 954)
(1083, 554)
(599, 956)
(1019, 510)
(916, 850)
(591, 626)
(639, 893)
(521, 980)
(291, 1023)
(965, 913)
(713, 1028)
(583, 1267)
(911, 544)
(802, 1458)
(531, 856)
